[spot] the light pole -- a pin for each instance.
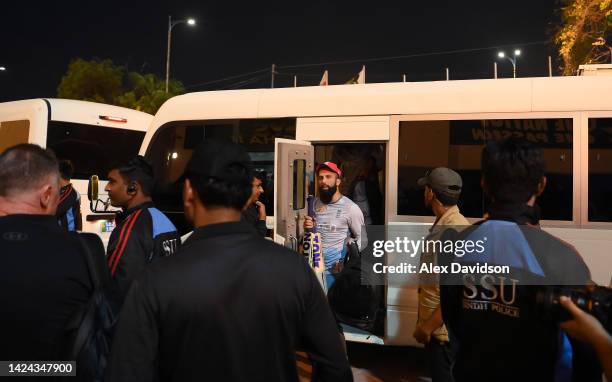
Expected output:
(172, 24)
(517, 53)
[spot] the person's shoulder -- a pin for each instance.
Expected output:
(563, 256)
(160, 222)
(349, 203)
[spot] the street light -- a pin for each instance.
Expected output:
(2, 68)
(517, 52)
(172, 24)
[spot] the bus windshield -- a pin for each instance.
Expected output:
(92, 149)
(174, 143)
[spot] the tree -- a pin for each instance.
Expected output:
(97, 81)
(105, 82)
(147, 92)
(584, 36)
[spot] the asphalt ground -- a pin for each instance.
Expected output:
(375, 363)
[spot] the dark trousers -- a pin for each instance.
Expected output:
(441, 358)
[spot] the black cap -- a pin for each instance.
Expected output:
(219, 159)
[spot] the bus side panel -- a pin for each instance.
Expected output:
(594, 247)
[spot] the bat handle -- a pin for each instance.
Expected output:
(311, 210)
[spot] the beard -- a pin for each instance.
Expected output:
(326, 195)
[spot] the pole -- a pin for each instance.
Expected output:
(514, 68)
(447, 74)
(272, 76)
(168, 53)
(295, 81)
(549, 66)
(404, 76)
(495, 70)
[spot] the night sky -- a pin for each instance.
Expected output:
(40, 38)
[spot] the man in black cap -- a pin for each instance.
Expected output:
(231, 306)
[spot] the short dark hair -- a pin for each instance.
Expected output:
(445, 199)
(261, 175)
(231, 192)
(66, 169)
(138, 169)
(512, 170)
(24, 167)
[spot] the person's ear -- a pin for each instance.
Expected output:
(132, 188)
(188, 200)
(541, 186)
(483, 184)
(338, 181)
(48, 199)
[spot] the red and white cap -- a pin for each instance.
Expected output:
(331, 166)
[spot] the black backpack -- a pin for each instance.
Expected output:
(90, 329)
(353, 300)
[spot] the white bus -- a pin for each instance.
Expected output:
(91, 135)
(402, 130)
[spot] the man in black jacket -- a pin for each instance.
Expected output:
(143, 233)
(503, 332)
(44, 277)
(255, 211)
(69, 206)
(231, 306)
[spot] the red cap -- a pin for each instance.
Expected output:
(331, 166)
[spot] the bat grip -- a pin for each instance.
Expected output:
(311, 211)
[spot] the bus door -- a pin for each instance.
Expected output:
(293, 172)
(294, 181)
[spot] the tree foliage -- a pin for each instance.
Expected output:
(102, 81)
(97, 81)
(584, 36)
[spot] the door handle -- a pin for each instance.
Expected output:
(293, 243)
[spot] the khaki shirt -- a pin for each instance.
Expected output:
(429, 288)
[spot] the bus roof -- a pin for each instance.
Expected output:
(544, 94)
(67, 110)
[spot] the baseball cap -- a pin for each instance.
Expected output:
(442, 179)
(331, 166)
(219, 159)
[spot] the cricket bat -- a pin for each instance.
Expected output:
(313, 247)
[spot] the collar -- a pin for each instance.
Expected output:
(31, 218)
(445, 217)
(220, 229)
(519, 213)
(121, 216)
(65, 188)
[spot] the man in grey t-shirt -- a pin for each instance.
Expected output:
(337, 218)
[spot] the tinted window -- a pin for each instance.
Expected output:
(13, 133)
(92, 149)
(172, 147)
(600, 170)
(424, 145)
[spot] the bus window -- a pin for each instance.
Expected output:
(363, 168)
(173, 144)
(13, 133)
(600, 170)
(92, 149)
(458, 145)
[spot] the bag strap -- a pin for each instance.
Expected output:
(89, 260)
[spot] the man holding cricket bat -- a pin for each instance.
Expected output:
(337, 218)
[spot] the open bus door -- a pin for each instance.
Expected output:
(293, 173)
(293, 177)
